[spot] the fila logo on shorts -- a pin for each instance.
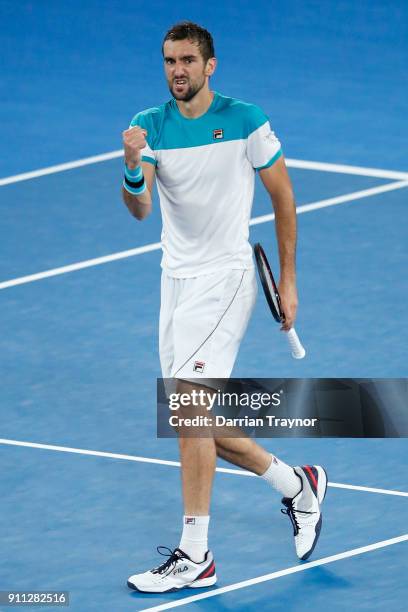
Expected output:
(199, 366)
(218, 134)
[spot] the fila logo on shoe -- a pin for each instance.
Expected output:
(180, 570)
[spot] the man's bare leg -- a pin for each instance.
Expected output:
(198, 458)
(246, 453)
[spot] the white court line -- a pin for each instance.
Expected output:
(89, 263)
(348, 197)
(81, 451)
(346, 169)
(286, 572)
(356, 195)
(292, 163)
(86, 161)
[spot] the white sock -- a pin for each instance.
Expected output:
(282, 477)
(194, 539)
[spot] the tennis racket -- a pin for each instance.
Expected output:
(273, 299)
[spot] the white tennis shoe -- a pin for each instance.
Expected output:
(177, 572)
(304, 509)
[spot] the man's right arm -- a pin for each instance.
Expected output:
(134, 140)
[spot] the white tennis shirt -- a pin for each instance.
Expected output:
(205, 170)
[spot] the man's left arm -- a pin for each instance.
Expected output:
(277, 182)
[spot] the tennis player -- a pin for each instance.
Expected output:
(203, 149)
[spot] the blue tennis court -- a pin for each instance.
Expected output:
(88, 491)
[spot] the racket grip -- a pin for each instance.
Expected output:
(298, 352)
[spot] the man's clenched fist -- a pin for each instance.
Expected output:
(134, 140)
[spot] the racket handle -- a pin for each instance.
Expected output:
(298, 352)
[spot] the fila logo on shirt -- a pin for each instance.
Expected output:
(199, 366)
(218, 134)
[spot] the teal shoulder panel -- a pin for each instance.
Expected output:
(252, 116)
(227, 119)
(255, 117)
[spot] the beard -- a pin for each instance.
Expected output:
(191, 91)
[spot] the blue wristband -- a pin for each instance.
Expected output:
(134, 181)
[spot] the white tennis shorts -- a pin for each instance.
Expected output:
(202, 322)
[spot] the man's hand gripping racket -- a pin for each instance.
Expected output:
(273, 299)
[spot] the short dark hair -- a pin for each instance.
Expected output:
(191, 31)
